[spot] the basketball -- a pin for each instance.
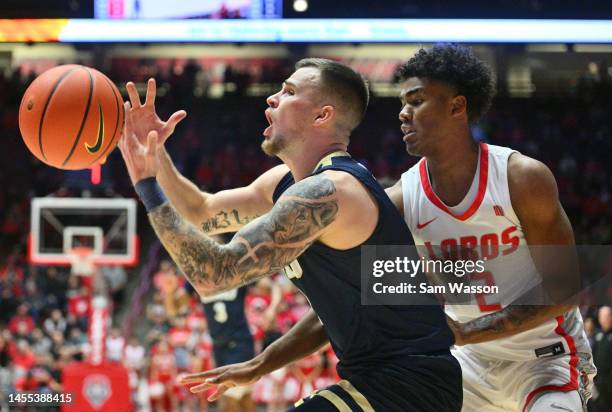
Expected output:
(71, 117)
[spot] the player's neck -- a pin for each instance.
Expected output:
(452, 171)
(302, 164)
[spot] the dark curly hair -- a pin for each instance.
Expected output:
(457, 66)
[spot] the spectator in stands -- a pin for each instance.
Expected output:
(23, 358)
(115, 344)
(602, 355)
(167, 282)
(41, 344)
(8, 304)
(55, 322)
(134, 356)
(116, 279)
(590, 330)
(79, 306)
(57, 343)
(162, 376)
(22, 323)
(156, 313)
(53, 282)
(133, 360)
(77, 340)
(178, 337)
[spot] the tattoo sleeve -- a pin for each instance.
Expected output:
(260, 248)
(225, 219)
(509, 321)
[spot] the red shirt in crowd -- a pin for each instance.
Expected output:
(25, 360)
(179, 336)
(17, 320)
(79, 305)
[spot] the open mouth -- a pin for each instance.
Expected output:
(268, 129)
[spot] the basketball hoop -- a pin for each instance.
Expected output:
(81, 260)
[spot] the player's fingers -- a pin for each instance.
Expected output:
(228, 377)
(218, 393)
(175, 119)
(152, 142)
(132, 142)
(200, 388)
(201, 376)
(133, 94)
(128, 122)
(151, 92)
(196, 377)
(122, 139)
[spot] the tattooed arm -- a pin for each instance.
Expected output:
(301, 216)
(221, 212)
(225, 211)
(534, 197)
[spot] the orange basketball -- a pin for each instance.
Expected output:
(71, 117)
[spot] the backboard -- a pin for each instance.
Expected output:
(106, 225)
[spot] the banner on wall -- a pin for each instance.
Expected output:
(96, 388)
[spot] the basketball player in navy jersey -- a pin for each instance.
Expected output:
(232, 341)
(514, 357)
(392, 358)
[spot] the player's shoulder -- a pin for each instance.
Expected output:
(527, 171)
(272, 176)
(323, 184)
(346, 184)
(266, 183)
(530, 181)
(499, 151)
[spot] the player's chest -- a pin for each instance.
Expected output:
(486, 233)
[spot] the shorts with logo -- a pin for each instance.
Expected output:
(493, 385)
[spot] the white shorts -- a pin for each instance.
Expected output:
(491, 385)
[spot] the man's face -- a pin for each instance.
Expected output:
(291, 111)
(605, 318)
(425, 115)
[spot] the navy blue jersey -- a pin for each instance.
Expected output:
(364, 336)
(226, 319)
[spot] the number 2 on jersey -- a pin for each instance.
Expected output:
(488, 279)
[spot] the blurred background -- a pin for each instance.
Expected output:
(553, 103)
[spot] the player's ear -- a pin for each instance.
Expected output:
(458, 106)
(324, 115)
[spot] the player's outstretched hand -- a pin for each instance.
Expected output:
(141, 160)
(222, 378)
(143, 116)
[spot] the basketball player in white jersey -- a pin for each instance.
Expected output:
(495, 201)
(513, 357)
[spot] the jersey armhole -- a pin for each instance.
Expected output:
(406, 196)
(513, 216)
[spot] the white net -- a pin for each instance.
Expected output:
(82, 261)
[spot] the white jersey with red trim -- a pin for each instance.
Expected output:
(489, 227)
